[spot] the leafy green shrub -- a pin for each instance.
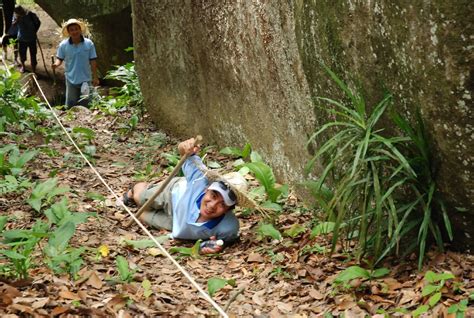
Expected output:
(12, 162)
(12, 184)
(125, 273)
(436, 285)
(357, 272)
(130, 91)
(262, 172)
(43, 193)
(365, 177)
(19, 246)
(17, 108)
(431, 208)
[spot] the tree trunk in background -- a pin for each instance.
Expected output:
(247, 71)
(111, 26)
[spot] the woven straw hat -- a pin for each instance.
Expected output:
(82, 24)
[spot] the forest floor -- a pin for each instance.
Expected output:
(291, 277)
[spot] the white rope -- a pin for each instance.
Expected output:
(163, 250)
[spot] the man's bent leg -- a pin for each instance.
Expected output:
(161, 214)
(157, 219)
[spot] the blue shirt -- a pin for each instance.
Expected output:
(77, 58)
(186, 198)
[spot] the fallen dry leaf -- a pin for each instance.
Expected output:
(257, 297)
(316, 294)
(284, 307)
(255, 258)
(66, 294)
(21, 308)
(59, 310)
(95, 281)
(40, 302)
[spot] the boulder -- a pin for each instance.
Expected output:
(246, 71)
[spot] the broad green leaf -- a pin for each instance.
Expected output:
(263, 173)
(184, 251)
(187, 251)
(444, 276)
(420, 310)
(267, 230)
(95, 196)
(430, 276)
(322, 228)
(12, 255)
(133, 121)
(272, 206)
(453, 309)
(139, 244)
(3, 221)
(231, 151)
(255, 157)
(35, 203)
(25, 157)
(146, 285)
(15, 235)
(351, 273)
(295, 230)
(429, 289)
(214, 284)
(244, 171)
(88, 133)
(213, 165)
(246, 150)
(434, 299)
(273, 194)
(123, 268)
(380, 272)
(61, 236)
(195, 249)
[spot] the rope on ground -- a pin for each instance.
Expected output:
(163, 250)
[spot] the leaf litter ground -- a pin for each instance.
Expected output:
(273, 279)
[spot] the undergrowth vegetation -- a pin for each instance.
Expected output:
(23, 116)
(375, 189)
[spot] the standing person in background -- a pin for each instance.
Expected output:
(80, 56)
(28, 24)
(9, 33)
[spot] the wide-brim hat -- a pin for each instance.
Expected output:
(81, 23)
(229, 187)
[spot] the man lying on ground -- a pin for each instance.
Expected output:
(190, 206)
